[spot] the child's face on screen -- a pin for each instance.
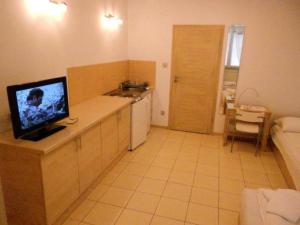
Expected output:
(35, 101)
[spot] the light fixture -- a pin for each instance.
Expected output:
(247, 90)
(60, 6)
(46, 7)
(110, 20)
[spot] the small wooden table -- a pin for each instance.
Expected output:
(230, 116)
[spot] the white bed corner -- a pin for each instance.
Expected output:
(288, 144)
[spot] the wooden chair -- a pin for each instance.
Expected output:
(248, 124)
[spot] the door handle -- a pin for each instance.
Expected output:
(176, 79)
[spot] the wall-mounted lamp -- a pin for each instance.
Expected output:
(60, 6)
(111, 21)
(46, 7)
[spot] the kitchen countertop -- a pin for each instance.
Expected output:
(89, 113)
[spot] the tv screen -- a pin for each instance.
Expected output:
(34, 105)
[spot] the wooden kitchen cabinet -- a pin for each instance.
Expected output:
(60, 180)
(42, 180)
(124, 124)
(89, 156)
(109, 132)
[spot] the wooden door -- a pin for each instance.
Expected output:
(109, 131)
(124, 124)
(196, 58)
(61, 181)
(89, 157)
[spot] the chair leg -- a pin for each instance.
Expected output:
(232, 141)
(257, 144)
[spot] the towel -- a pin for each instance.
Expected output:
(286, 204)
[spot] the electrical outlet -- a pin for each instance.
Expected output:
(165, 65)
(162, 112)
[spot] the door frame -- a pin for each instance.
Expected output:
(217, 70)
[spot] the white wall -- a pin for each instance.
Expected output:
(271, 58)
(34, 48)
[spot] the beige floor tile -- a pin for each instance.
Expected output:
(116, 196)
(272, 168)
(163, 162)
(145, 159)
(151, 186)
(103, 214)
(268, 159)
(205, 197)
(228, 217)
(185, 166)
(255, 177)
(82, 210)
(156, 172)
(256, 186)
(167, 155)
(231, 186)
(176, 136)
(157, 220)
(172, 145)
(230, 163)
(98, 192)
(143, 202)
(202, 215)
(172, 208)
(253, 166)
(187, 157)
(229, 201)
(192, 139)
(225, 152)
(177, 191)
(277, 181)
(208, 160)
(119, 167)
(136, 169)
(71, 222)
(207, 170)
(208, 151)
(127, 181)
(131, 217)
(181, 177)
(128, 156)
(250, 157)
(235, 174)
(109, 178)
(206, 182)
(189, 149)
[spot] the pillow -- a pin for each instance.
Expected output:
(289, 124)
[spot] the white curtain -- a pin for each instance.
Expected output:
(236, 51)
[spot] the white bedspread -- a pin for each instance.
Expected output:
(288, 144)
(264, 197)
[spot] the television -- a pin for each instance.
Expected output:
(35, 107)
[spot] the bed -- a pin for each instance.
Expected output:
(250, 213)
(270, 207)
(287, 154)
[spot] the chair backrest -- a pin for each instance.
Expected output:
(251, 117)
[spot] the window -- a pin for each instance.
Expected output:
(234, 46)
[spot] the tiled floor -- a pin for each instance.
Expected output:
(178, 178)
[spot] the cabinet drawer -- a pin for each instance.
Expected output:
(89, 157)
(60, 178)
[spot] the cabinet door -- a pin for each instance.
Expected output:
(109, 131)
(89, 157)
(60, 178)
(124, 125)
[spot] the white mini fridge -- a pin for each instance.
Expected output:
(139, 123)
